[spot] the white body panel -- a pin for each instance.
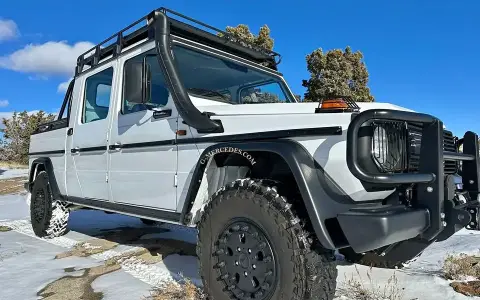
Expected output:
(143, 176)
(51, 141)
(91, 166)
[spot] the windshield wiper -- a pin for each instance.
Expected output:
(208, 93)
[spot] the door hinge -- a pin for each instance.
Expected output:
(175, 180)
(106, 178)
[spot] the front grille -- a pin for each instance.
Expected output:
(415, 138)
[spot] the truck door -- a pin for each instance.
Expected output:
(142, 150)
(91, 124)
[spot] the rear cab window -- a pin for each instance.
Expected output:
(96, 102)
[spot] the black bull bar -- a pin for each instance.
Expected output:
(435, 191)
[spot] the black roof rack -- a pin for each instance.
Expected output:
(222, 40)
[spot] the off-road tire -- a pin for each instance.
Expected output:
(306, 270)
(49, 217)
(371, 259)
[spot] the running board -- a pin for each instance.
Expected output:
(370, 228)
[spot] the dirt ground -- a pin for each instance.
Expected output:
(12, 185)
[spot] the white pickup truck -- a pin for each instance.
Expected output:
(174, 123)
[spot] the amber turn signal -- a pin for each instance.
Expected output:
(181, 132)
(338, 103)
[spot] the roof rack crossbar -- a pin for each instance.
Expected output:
(218, 31)
(93, 56)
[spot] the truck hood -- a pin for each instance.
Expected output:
(278, 108)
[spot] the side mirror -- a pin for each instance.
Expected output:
(137, 82)
(134, 82)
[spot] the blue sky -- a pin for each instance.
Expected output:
(420, 54)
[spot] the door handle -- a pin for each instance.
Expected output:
(117, 146)
(75, 150)
(70, 131)
(160, 114)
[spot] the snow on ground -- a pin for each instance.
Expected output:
(27, 263)
(7, 173)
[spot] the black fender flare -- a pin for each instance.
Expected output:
(317, 199)
(48, 166)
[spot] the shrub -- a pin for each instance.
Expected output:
(16, 135)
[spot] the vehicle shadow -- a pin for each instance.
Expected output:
(171, 246)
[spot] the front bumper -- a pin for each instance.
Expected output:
(435, 191)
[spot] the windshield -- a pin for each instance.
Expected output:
(218, 79)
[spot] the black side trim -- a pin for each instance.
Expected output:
(47, 152)
(266, 135)
(150, 213)
(142, 145)
(318, 202)
(48, 166)
(254, 136)
(89, 149)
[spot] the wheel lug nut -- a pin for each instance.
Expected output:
(238, 249)
(221, 264)
(245, 273)
(259, 294)
(254, 267)
(236, 263)
(249, 250)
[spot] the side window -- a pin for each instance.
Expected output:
(98, 88)
(158, 93)
(266, 93)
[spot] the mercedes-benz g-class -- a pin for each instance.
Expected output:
(177, 121)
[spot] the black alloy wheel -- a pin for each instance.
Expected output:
(246, 260)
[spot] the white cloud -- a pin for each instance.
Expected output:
(50, 58)
(62, 87)
(3, 103)
(8, 30)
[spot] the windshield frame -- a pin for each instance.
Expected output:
(178, 41)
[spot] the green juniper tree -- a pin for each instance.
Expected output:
(15, 142)
(337, 73)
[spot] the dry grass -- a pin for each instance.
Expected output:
(172, 290)
(461, 267)
(466, 269)
(12, 185)
(355, 288)
(12, 165)
(4, 228)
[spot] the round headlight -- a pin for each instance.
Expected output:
(389, 146)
